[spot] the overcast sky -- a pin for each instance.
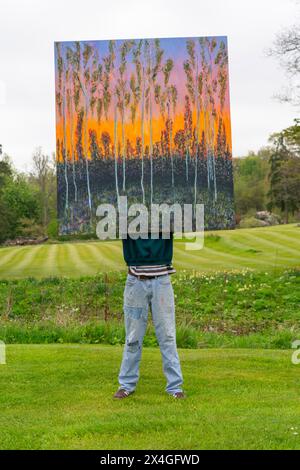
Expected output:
(28, 29)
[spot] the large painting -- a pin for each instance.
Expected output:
(145, 118)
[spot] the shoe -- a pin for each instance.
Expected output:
(178, 395)
(122, 393)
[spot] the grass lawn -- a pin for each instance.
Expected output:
(60, 397)
(256, 248)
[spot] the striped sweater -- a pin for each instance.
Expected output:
(154, 270)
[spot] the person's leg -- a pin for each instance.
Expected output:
(135, 314)
(163, 314)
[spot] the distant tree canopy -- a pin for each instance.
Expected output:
(251, 181)
(284, 175)
(26, 204)
(18, 201)
(43, 179)
(270, 179)
(286, 49)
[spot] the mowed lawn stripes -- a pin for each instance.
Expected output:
(7, 256)
(204, 260)
(107, 257)
(257, 251)
(258, 248)
(23, 257)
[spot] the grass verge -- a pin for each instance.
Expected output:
(60, 397)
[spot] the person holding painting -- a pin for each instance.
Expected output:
(148, 284)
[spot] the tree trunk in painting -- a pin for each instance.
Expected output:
(116, 150)
(213, 158)
(73, 155)
(215, 177)
(211, 174)
(65, 152)
(196, 156)
(151, 151)
(143, 136)
(171, 147)
(187, 165)
(124, 153)
(212, 126)
(172, 160)
(188, 129)
(208, 150)
(86, 156)
(197, 139)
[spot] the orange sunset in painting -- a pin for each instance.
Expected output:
(145, 118)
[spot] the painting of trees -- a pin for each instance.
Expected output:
(145, 118)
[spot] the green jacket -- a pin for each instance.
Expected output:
(143, 252)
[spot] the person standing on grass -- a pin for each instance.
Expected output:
(148, 284)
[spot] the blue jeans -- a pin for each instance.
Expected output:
(139, 295)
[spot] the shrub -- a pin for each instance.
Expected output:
(251, 222)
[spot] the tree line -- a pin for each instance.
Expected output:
(28, 200)
(270, 178)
